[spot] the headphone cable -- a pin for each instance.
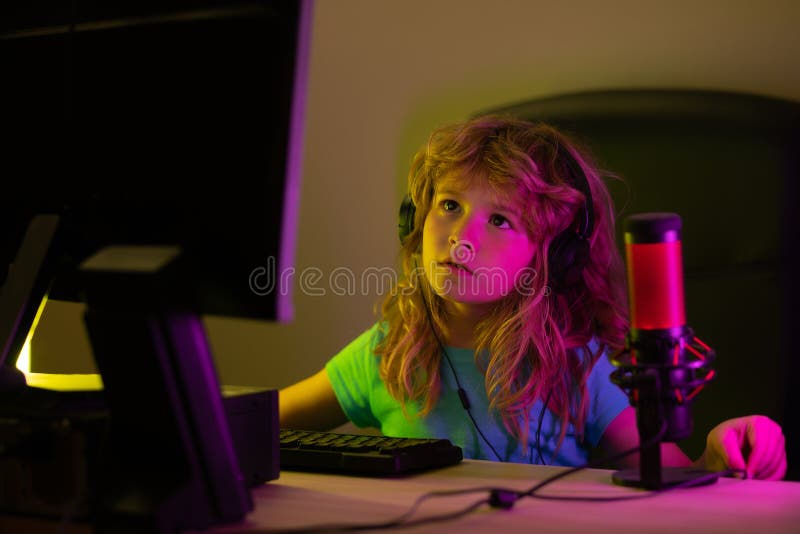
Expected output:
(539, 428)
(462, 394)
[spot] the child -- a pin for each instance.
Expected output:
(498, 334)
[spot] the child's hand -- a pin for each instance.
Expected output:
(754, 443)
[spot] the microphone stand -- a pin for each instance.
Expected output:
(661, 372)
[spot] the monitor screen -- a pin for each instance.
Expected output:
(160, 123)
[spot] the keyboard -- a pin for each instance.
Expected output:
(354, 454)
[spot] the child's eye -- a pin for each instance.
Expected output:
(449, 205)
(499, 221)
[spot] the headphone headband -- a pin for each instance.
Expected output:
(579, 181)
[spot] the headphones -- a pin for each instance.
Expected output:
(568, 253)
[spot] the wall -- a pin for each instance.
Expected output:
(383, 73)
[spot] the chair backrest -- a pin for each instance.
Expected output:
(728, 164)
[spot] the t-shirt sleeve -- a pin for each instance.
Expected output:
(607, 400)
(353, 373)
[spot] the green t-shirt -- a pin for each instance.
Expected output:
(355, 378)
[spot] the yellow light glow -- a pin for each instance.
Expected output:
(24, 359)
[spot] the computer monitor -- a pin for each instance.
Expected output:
(160, 122)
(173, 126)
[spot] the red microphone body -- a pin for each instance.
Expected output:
(655, 282)
(658, 334)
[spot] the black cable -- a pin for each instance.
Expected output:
(602, 461)
(402, 520)
(532, 492)
(462, 394)
(442, 517)
(539, 428)
(696, 481)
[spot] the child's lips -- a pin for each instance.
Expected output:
(456, 267)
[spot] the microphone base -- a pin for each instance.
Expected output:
(670, 476)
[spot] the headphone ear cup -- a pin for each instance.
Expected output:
(406, 218)
(567, 257)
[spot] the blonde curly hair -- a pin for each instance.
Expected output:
(524, 345)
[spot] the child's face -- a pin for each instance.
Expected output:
(475, 246)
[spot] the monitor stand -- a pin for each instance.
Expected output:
(174, 464)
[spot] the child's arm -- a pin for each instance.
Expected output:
(311, 404)
(754, 443)
(622, 434)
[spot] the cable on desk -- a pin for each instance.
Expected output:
(505, 498)
(401, 521)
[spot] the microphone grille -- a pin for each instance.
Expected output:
(656, 227)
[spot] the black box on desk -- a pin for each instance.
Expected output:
(253, 421)
(52, 443)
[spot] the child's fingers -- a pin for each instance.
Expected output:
(775, 470)
(767, 457)
(780, 472)
(754, 444)
(731, 451)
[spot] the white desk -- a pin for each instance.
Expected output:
(729, 506)
(296, 500)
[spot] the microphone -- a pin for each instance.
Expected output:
(663, 365)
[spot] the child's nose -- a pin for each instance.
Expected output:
(466, 243)
(466, 234)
